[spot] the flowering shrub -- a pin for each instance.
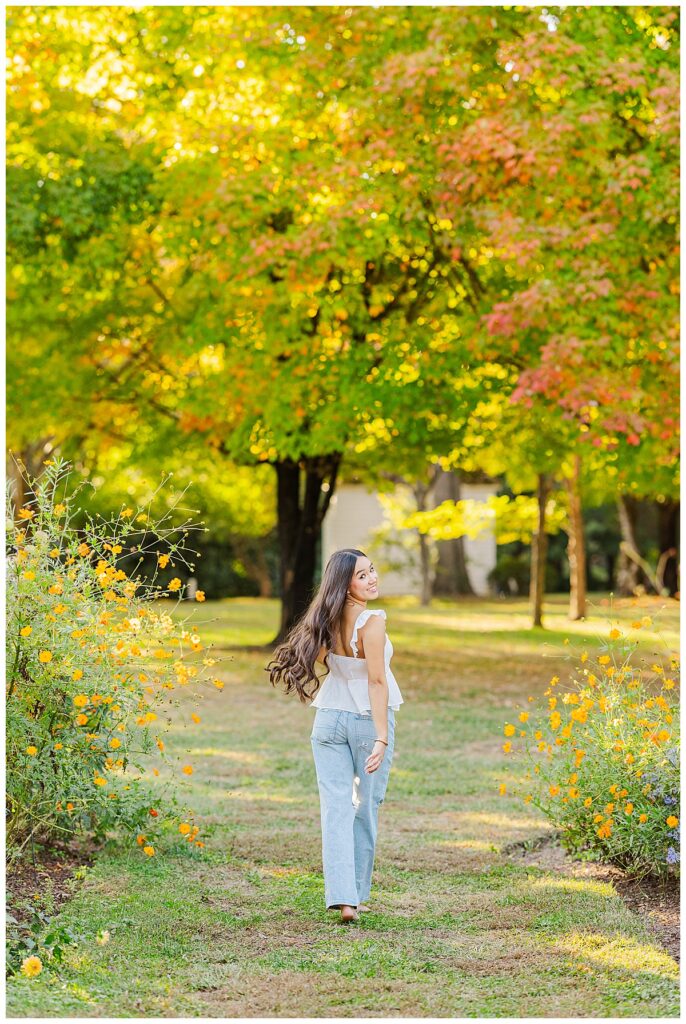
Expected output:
(602, 758)
(92, 661)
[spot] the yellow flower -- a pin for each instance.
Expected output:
(643, 818)
(584, 657)
(149, 850)
(77, 674)
(56, 588)
(629, 808)
(59, 510)
(646, 620)
(523, 716)
(509, 730)
(31, 966)
(614, 634)
(81, 700)
(83, 549)
(99, 781)
(502, 789)
(507, 747)
(555, 720)
(200, 595)
(140, 840)
(32, 751)
(175, 584)
(58, 746)
(187, 769)
(115, 743)
(672, 821)
(163, 561)
(637, 624)
(26, 631)
(29, 574)
(81, 719)
(604, 659)
(196, 718)
(588, 801)
(184, 828)
(609, 808)
(127, 513)
(55, 553)
(553, 790)
(45, 657)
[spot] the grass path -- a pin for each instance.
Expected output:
(458, 929)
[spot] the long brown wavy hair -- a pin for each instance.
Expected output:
(294, 660)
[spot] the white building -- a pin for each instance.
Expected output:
(356, 513)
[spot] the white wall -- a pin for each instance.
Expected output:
(355, 512)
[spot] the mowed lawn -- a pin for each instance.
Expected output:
(457, 928)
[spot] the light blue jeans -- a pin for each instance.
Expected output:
(349, 798)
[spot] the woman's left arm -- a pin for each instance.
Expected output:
(374, 645)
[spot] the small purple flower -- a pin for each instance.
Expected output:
(669, 800)
(672, 856)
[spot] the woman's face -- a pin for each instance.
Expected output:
(364, 586)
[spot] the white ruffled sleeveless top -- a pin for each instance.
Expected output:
(346, 687)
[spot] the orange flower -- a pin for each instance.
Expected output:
(200, 595)
(81, 719)
(672, 821)
(149, 850)
(187, 769)
(45, 657)
(175, 584)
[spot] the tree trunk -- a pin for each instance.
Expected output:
(31, 457)
(629, 573)
(668, 542)
(304, 491)
(576, 548)
(421, 493)
(539, 550)
(452, 576)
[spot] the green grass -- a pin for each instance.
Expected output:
(456, 929)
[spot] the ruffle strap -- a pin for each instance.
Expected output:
(361, 619)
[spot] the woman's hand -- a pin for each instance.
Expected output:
(375, 758)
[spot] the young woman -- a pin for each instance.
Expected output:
(354, 727)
